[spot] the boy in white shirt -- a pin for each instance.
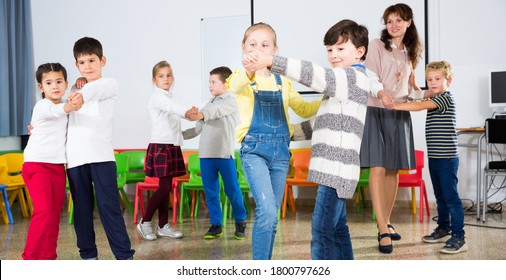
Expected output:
(90, 156)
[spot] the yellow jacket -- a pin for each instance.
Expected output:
(239, 83)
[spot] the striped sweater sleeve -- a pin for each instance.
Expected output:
(318, 78)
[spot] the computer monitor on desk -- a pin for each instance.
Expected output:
(497, 93)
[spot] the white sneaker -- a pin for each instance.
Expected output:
(145, 229)
(168, 231)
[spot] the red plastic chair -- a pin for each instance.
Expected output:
(151, 184)
(413, 178)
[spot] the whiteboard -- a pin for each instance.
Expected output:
(221, 45)
(300, 25)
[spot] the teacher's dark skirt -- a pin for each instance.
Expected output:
(388, 140)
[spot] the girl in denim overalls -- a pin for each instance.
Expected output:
(264, 134)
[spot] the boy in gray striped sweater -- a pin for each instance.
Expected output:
(336, 132)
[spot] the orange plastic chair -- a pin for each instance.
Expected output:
(11, 177)
(301, 158)
(413, 178)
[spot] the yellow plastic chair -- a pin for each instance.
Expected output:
(10, 176)
(15, 166)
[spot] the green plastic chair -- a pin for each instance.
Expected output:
(135, 171)
(362, 183)
(121, 171)
(194, 184)
(244, 187)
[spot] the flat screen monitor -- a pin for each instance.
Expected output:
(497, 90)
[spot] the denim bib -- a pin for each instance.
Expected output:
(269, 113)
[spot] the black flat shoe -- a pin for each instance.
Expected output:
(385, 249)
(394, 236)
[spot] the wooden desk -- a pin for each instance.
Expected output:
(481, 132)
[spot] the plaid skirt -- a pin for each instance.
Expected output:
(164, 160)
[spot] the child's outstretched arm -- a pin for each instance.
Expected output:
(324, 80)
(415, 106)
(193, 132)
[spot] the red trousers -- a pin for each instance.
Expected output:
(46, 185)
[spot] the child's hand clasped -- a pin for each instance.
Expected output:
(75, 100)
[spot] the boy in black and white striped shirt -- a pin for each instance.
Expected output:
(441, 137)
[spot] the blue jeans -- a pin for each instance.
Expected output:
(209, 168)
(331, 237)
(265, 160)
(443, 174)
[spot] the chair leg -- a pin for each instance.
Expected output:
(291, 200)
(426, 199)
(247, 203)
(136, 204)
(413, 200)
(181, 201)
(126, 201)
(423, 201)
(357, 202)
(175, 200)
(70, 201)
(29, 202)
(225, 211)
(283, 206)
(71, 214)
(7, 213)
(192, 213)
(362, 195)
(22, 201)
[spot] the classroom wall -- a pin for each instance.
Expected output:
(138, 34)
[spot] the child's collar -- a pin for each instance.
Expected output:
(358, 65)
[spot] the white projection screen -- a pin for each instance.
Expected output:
(301, 27)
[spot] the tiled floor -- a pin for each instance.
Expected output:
(486, 241)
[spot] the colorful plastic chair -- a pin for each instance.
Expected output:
(10, 176)
(135, 171)
(301, 158)
(121, 171)
(6, 207)
(244, 187)
(362, 183)
(413, 178)
(194, 184)
(151, 184)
